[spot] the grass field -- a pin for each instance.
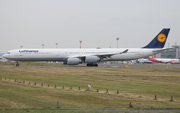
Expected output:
(137, 86)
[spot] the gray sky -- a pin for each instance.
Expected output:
(97, 23)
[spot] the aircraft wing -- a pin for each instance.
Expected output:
(161, 50)
(105, 55)
(110, 54)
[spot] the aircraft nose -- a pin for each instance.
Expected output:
(4, 56)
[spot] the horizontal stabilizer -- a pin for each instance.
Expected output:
(161, 50)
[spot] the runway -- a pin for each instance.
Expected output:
(104, 65)
(139, 65)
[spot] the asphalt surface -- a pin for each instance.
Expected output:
(140, 65)
(106, 65)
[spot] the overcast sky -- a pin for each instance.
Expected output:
(97, 23)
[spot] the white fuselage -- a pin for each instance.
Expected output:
(167, 60)
(63, 54)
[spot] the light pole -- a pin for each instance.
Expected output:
(80, 43)
(56, 45)
(42, 45)
(117, 42)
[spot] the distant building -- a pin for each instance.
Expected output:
(1, 54)
(172, 53)
(3, 59)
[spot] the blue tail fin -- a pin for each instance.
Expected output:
(159, 40)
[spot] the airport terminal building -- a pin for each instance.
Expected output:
(172, 53)
(1, 56)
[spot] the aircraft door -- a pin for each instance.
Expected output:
(60, 53)
(57, 53)
(109, 51)
(80, 53)
(16, 54)
(141, 52)
(20, 54)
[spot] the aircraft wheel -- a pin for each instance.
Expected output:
(91, 65)
(17, 65)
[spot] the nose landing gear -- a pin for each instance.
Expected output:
(17, 65)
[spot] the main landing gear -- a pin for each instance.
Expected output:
(17, 65)
(91, 65)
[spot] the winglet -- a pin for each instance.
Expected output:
(125, 51)
(159, 40)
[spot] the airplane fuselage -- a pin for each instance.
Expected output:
(90, 56)
(63, 54)
(164, 60)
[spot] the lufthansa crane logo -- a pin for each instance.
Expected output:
(161, 37)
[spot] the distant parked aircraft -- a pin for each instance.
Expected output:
(164, 60)
(90, 56)
(144, 61)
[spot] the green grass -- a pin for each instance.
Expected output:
(136, 85)
(30, 64)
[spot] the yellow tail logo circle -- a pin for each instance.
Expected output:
(161, 37)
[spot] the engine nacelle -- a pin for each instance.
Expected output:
(73, 61)
(92, 59)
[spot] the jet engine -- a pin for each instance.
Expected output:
(92, 59)
(73, 61)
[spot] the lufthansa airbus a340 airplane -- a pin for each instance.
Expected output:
(90, 56)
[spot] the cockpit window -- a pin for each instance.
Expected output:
(8, 53)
